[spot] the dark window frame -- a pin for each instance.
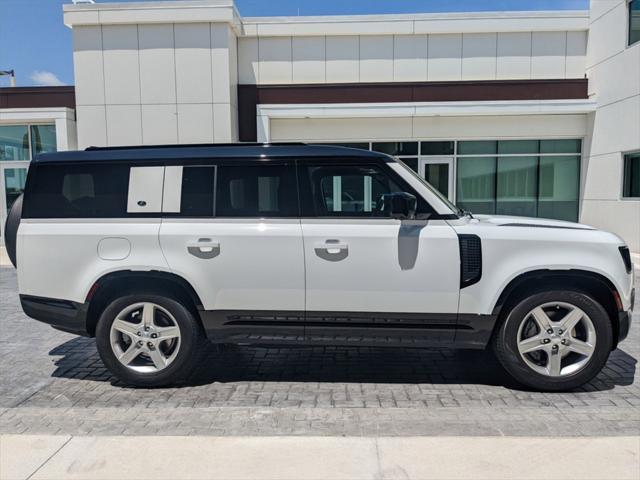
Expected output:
(630, 8)
(627, 188)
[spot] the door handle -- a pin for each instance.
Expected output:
(332, 250)
(204, 248)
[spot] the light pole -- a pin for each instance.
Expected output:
(11, 74)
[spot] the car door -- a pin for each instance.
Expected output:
(239, 245)
(371, 278)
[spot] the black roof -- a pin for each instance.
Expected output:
(208, 151)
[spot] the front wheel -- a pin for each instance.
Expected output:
(148, 340)
(554, 341)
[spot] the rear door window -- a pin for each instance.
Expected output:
(256, 191)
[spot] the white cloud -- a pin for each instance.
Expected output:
(45, 79)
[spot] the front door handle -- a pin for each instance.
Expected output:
(332, 250)
(204, 248)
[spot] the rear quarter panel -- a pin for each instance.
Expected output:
(58, 258)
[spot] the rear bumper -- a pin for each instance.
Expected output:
(64, 315)
(624, 324)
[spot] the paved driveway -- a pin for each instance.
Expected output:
(52, 382)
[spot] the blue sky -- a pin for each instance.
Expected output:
(34, 41)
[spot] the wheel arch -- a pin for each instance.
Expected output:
(112, 284)
(594, 284)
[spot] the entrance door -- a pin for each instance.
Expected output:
(13, 176)
(438, 171)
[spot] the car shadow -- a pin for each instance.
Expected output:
(78, 358)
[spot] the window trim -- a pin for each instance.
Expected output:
(624, 156)
(628, 14)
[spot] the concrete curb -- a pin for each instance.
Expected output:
(282, 458)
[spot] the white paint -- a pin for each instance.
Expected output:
(145, 190)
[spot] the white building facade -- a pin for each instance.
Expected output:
(523, 113)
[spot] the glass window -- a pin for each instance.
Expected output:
(196, 197)
(14, 142)
(517, 186)
(396, 148)
(14, 180)
(631, 177)
(411, 162)
(436, 148)
(78, 191)
(350, 190)
(437, 174)
(560, 146)
(256, 191)
(634, 21)
(43, 139)
(558, 187)
(476, 187)
(506, 147)
(478, 148)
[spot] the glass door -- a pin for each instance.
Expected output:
(13, 176)
(438, 171)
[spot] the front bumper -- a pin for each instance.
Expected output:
(64, 315)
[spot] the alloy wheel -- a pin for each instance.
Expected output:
(145, 337)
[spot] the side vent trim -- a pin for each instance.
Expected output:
(470, 259)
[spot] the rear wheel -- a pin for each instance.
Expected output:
(148, 340)
(555, 340)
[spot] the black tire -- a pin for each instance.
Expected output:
(11, 229)
(191, 342)
(505, 341)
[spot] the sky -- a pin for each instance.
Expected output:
(35, 43)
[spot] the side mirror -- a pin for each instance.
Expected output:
(399, 205)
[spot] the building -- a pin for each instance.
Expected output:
(524, 113)
(32, 120)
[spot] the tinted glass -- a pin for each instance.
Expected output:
(43, 139)
(396, 148)
(14, 142)
(196, 198)
(412, 163)
(560, 146)
(437, 174)
(631, 181)
(477, 148)
(517, 146)
(256, 191)
(558, 187)
(77, 191)
(634, 21)
(476, 188)
(350, 190)
(517, 186)
(436, 148)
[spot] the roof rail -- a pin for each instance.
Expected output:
(194, 145)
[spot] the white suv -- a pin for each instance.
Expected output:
(152, 250)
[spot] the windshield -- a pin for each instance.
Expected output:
(433, 190)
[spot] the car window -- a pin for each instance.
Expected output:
(350, 190)
(256, 191)
(78, 191)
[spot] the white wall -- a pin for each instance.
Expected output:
(411, 57)
(424, 128)
(613, 70)
(155, 83)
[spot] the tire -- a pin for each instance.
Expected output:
(11, 229)
(180, 353)
(581, 351)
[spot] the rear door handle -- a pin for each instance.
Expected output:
(204, 248)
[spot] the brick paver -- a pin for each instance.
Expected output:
(52, 382)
